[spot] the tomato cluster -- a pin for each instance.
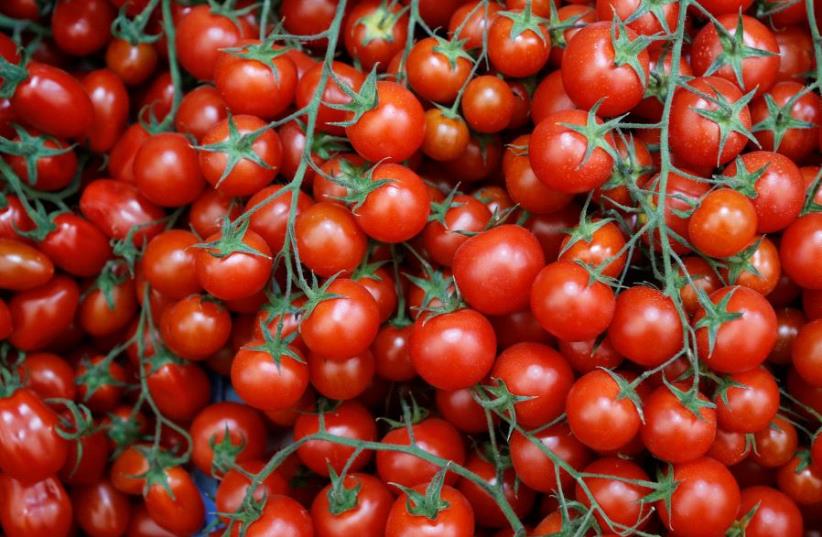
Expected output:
(442, 268)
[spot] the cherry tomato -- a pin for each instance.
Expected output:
(34, 509)
(433, 435)
(226, 422)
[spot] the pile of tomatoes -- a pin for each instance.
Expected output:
(442, 268)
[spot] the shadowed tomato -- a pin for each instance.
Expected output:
(36, 509)
(41, 314)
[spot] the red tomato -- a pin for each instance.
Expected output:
(598, 415)
(430, 72)
(23, 267)
(673, 432)
(366, 518)
(280, 516)
(174, 502)
(433, 435)
(101, 510)
(235, 484)
(118, 208)
(620, 500)
(180, 391)
(110, 101)
(201, 34)
(373, 33)
(807, 353)
(52, 173)
(800, 248)
(751, 404)
(76, 245)
(229, 273)
(776, 513)
(195, 328)
(82, 27)
(132, 63)
(34, 509)
(41, 314)
(244, 427)
(329, 240)
(455, 519)
(537, 470)
(269, 382)
(307, 88)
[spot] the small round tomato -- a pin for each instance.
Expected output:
(121, 156)
(585, 356)
(101, 510)
(104, 311)
(517, 52)
(537, 470)
(392, 359)
(550, 97)
(446, 136)
(201, 34)
(723, 224)
(807, 353)
(235, 484)
(455, 518)
(759, 269)
(281, 515)
(82, 27)
(788, 323)
(522, 183)
(223, 423)
(117, 208)
(201, 109)
(132, 63)
(777, 133)
(341, 380)
(52, 172)
(329, 240)
(461, 410)
(598, 413)
(431, 72)
(676, 433)
(649, 22)
(800, 248)
(442, 236)
(269, 382)
(471, 21)
(605, 242)
(166, 170)
(232, 267)
(307, 87)
(750, 404)
(48, 375)
(374, 32)
(332, 517)
(803, 485)
(775, 444)
(774, 513)
(169, 261)
(487, 104)
(180, 390)
(619, 497)
(23, 267)
(195, 328)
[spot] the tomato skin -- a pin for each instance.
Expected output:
(350, 419)
(110, 101)
(200, 36)
(244, 426)
(99, 317)
(495, 269)
(87, 464)
(127, 468)
(82, 27)
(585, 356)
(517, 56)
(398, 210)
(101, 510)
(743, 343)
(596, 414)
(169, 262)
(201, 109)
(447, 361)
(14, 217)
(179, 508)
(270, 220)
(74, 235)
(179, 390)
(802, 486)
(265, 383)
(724, 223)
(133, 64)
(751, 406)
(22, 267)
(308, 17)
(281, 515)
(329, 239)
(789, 322)
(36, 509)
(456, 520)
(367, 518)
(53, 102)
(48, 375)
(646, 24)
(795, 53)
(459, 408)
(800, 248)
(775, 444)
(441, 241)
(166, 170)
(556, 154)
(331, 94)
(195, 328)
(234, 485)
(41, 314)
(445, 137)
(116, 207)
(535, 469)
(433, 435)
(706, 501)
(121, 157)
(672, 432)
(807, 353)
(486, 511)
(142, 525)
(53, 172)
(237, 275)
(606, 243)
(777, 513)
(620, 500)
(538, 372)
(431, 75)
(341, 380)
(567, 306)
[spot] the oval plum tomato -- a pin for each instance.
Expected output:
(132, 63)
(522, 183)
(110, 101)
(807, 353)
(269, 382)
(201, 109)
(22, 266)
(82, 27)
(341, 380)
(52, 172)
(174, 503)
(200, 36)
(594, 244)
(705, 502)
(329, 240)
(48, 375)
(76, 245)
(775, 444)
(31, 446)
(101, 510)
(225, 423)
(539, 374)
(618, 497)
(799, 251)
(750, 403)
(647, 23)
(696, 139)
(307, 87)
(567, 305)
(235, 484)
(431, 72)
(180, 390)
(446, 137)
(535, 469)
(271, 218)
(591, 74)
(740, 342)
(558, 154)
(718, 54)
(34, 509)
(455, 519)
(166, 170)
(195, 327)
(250, 86)
(781, 133)
(487, 104)
(14, 218)
(142, 525)
(334, 517)
(774, 513)
(494, 270)
(515, 51)
(432, 435)
(168, 263)
(233, 168)
(41, 314)
(121, 157)
(396, 210)
(233, 266)
(52, 101)
(343, 326)
(374, 32)
(127, 469)
(349, 419)
(453, 350)
(802, 482)
(723, 224)
(281, 515)
(779, 187)
(598, 413)
(118, 208)
(674, 432)
(442, 236)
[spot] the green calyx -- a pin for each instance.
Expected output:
(430, 504)
(237, 147)
(780, 120)
(379, 24)
(726, 115)
(734, 51)
(341, 499)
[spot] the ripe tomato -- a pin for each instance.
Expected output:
(760, 269)
(442, 237)
(776, 513)
(517, 53)
(132, 63)
(341, 380)
(195, 328)
(201, 34)
(604, 243)
(804, 486)
(82, 27)
(174, 502)
(102, 312)
(433, 435)
(281, 515)
(587, 355)
(365, 518)
(599, 415)
(800, 248)
(53, 172)
(201, 109)
(455, 519)
(268, 382)
(673, 432)
(166, 170)
(101, 510)
(109, 99)
(445, 137)
(431, 72)
(41, 314)
(645, 328)
(180, 390)
(459, 408)
(117, 207)
(235, 484)
(807, 353)
(328, 239)
(373, 33)
(244, 427)
(486, 511)
(620, 500)
(724, 223)
(35, 508)
(522, 183)
(234, 274)
(648, 23)
(307, 88)
(23, 267)
(169, 261)
(121, 157)
(750, 405)
(392, 359)
(48, 375)
(775, 444)
(536, 469)
(775, 133)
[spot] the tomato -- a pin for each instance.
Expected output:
(539, 374)
(587, 355)
(807, 353)
(760, 269)
(479, 160)
(243, 425)
(800, 248)
(432, 435)
(453, 350)
(328, 239)
(121, 157)
(349, 419)
(524, 186)
(117, 208)
(99, 385)
(52, 101)
(535, 469)
(82, 27)
(774, 444)
(750, 406)
(47, 375)
(709, 50)
(13, 217)
(142, 525)
(568, 305)
(195, 328)
(109, 99)
(158, 99)
(166, 170)
(556, 154)
(373, 33)
(201, 109)
(34, 509)
(76, 245)
(441, 237)
(101, 510)
(128, 468)
(103, 312)
(598, 413)
(724, 7)
(23, 267)
(392, 360)
(776, 513)
(169, 261)
(5, 321)
(673, 432)
(605, 242)
(431, 72)
(41, 314)
(455, 519)
(366, 517)
(382, 287)
(694, 139)
(802, 486)
(207, 214)
(308, 17)
(788, 323)
(235, 484)
(280, 516)
(705, 502)
(517, 52)
(180, 390)
(233, 274)
(446, 136)
(648, 23)
(620, 500)
(459, 408)
(776, 133)
(87, 460)
(270, 219)
(269, 382)
(341, 380)
(174, 502)
(796, 57)
(742, 343)
(201, 34)
(590, 73)
(52, 173)
(471, 21)
(729, 448)
(485, 508)
(307, 88)
(132, 63)
(550, 97)
(724, 223)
